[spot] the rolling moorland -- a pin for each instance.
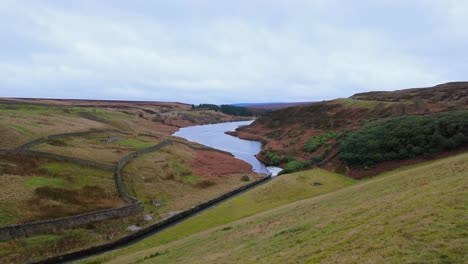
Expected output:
(365, 134)
(413, 209)
(324, 209)
(166, 181)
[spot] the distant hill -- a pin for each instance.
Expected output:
(453, 92)
(260, 109)
(272, 105)
(313, 135)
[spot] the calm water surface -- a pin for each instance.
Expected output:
(214, 136)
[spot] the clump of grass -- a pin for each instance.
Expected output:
(154, 255)
(245, 178)
(226, 228)
(292, 231)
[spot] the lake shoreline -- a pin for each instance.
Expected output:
(222, 136)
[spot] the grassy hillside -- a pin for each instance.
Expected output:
(416, 214)
(280, 191)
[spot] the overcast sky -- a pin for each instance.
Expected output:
(218, 51)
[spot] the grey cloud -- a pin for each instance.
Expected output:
(226, 51)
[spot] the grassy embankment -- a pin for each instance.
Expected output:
(416, 214)
(280, 191)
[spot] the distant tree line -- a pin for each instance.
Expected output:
(227, 109)
(406, 137)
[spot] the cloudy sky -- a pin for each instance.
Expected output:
(228, 51)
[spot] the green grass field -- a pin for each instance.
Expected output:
(416, 214)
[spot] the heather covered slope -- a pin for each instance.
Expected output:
(312, 134)
(415, 214)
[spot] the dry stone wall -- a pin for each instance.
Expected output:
(13, 231)
(74, 134)
(141, 234)
(38, 154)
(118, 173)
(133, 207)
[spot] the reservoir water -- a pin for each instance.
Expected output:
(213, 136)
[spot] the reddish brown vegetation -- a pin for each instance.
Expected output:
(211, 164)
(20, 165)
(285, 131)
